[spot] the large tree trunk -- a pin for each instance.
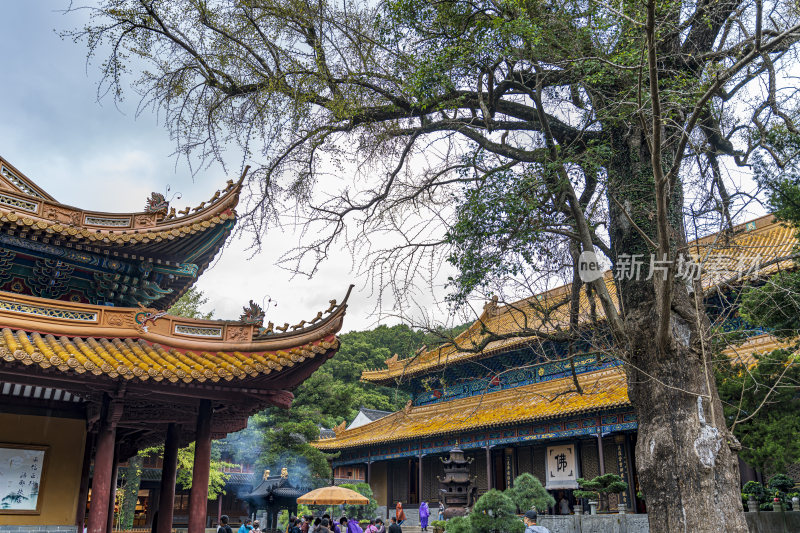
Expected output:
(686, 466)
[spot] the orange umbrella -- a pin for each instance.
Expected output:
(333, 496)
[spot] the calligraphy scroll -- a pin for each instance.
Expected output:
(562, 468)
(21, 475)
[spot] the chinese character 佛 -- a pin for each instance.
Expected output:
(561, 462)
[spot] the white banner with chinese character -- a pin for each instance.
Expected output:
(562, 467)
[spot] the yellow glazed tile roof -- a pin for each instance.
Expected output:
(723, 258)
(745, 352)
(603, 389)
(138, 359)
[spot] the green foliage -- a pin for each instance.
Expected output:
(128, 493)
(495, 512)
(755, 489)
(283, 516)
(782, 185)
(459, 524)
(762, 401)
(217, 476)
(774, 304)
(781, 483)
(361, 511)
(438, 524)
(604, 485)
(499, 231)
(189, 305)
(528, 493)
(275, 438)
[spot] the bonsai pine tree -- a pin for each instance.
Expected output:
(600, 487)
(494, 512)
(528, 492)
(780, 485)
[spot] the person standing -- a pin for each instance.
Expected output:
(353, 526)
(424, 513)
(530, 524)
(245, 527)
(395, 527)
(400, 514)
(563, 505)
(223, 525)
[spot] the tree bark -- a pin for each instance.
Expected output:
(686, 463)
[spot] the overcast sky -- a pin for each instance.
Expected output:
(93, 155)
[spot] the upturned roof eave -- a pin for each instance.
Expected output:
(60, 318)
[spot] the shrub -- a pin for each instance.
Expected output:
(781, 483)
(494, 512)
(459, 524)
(754, 488)
(438, 524)
(600, 487)
(528, 492)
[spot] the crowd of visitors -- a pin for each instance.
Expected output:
(326, 524)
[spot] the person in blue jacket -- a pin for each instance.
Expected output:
(246, 527)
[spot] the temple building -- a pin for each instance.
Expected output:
(93, 369)
(512, 405)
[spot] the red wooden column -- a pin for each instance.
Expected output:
(112, 494)
(166, 497)
(198, 499)
(83, 491)
(101, 480)
(489, 479)
(419, 480)
(600, 454)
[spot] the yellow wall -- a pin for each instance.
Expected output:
(62, 477)
(378, 482)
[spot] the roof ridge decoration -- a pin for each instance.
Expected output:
(762, 237)
(13, 179)
(35, 209)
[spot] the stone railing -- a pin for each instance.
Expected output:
(763, 522)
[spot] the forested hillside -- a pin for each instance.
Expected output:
(276, 438)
